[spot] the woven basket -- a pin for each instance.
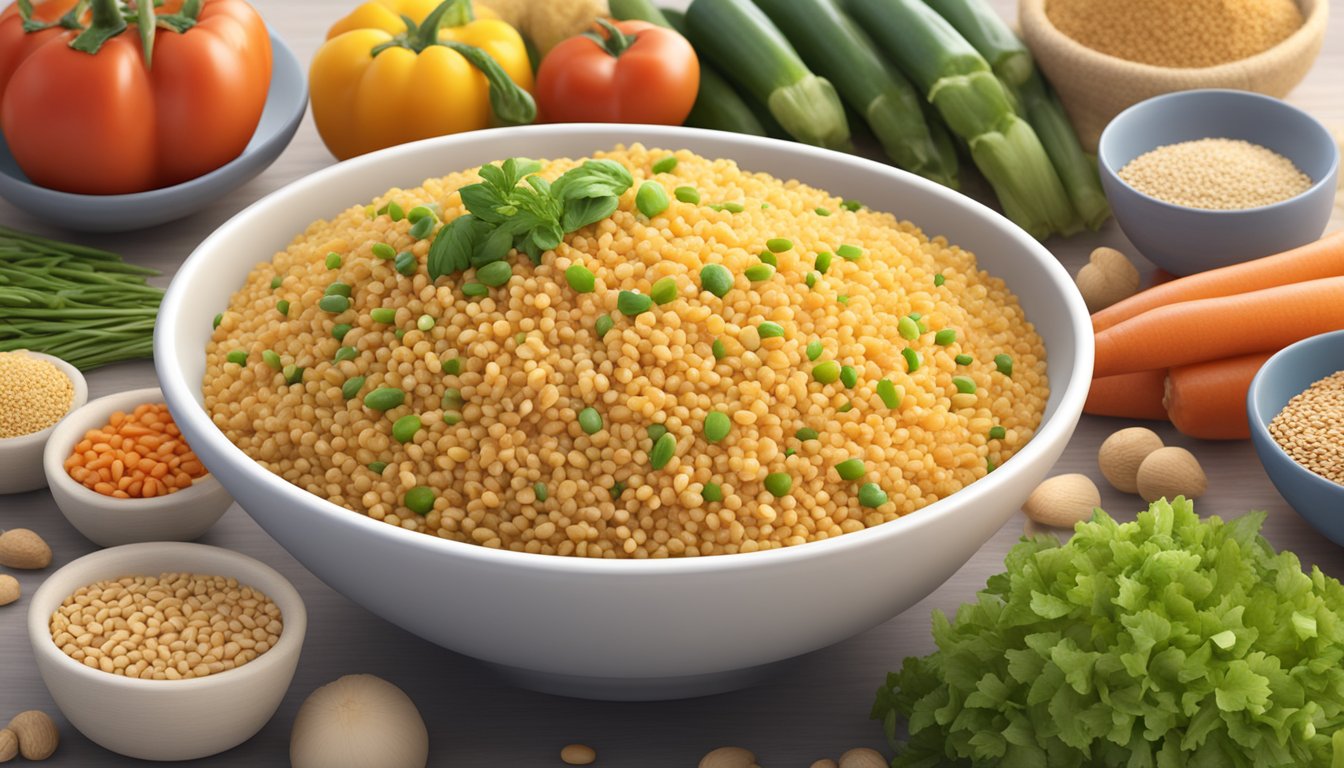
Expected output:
(1096, 87)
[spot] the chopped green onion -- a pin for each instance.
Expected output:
(843, 299)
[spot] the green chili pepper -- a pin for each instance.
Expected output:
(716, 279)
(580, 278)
(590, 421)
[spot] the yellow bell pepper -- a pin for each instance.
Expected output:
(377, 82)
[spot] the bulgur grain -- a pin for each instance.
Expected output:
(34, 396)
(1215, 174)
(624, 491)
(137, 455)
(1310, 428)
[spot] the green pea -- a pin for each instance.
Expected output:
(385, 315)
(850, 469)
(539, 490)
(276, 281)
(419, 212)
(843, 299)
(351, 387)
(631, 303)
(384, 251)
(769, 330)
(733, 207)
(851, 205)
(823, 212)
(617, 490)
(293, 374)
(911, 359)
(716, 279)
(810, 279)
(909, 329)
(495, 274)
(404, 429)
(345, 353)
(759, 272)
(590, 421)
(384, 398)
(419, 499)
(778, 484)
(826, 372)
(849, 252)
(580, 278)
(687, 195)
(651, 199)
(814, 349)
(394, 212)
(452, 366)
(405, 263)
(452, 399)
(378, 467)
(806, 433)
(779, 244)
(662, 451)
(273, 360)
(400, 333)
(938, 279)
(421, 229)
(822, 262)
(997, 433)
(1004, 363)
(237, 357)
(964, 384)
(282, 307)
(333, 260)
(520, 338)
(656, 431)
(338, 289)
(339, 330)
(846, 407)
(789, 451)
(664, 291)
(665, 164)
(990, 466)
(945, 337)
(872, 495)
(712, 492)
(717, 426)
(475, 289)
(333, 304)
(451, 417)
(767, 257)
(890, 395)
(603, 324)
(849, 376)
(719, 350)
(963, 359)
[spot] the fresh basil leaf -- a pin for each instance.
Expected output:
(494, 247)
(453, 246)
(497, 177)
(595, 178)
(484, 202)
(589, 210)
(516, 169)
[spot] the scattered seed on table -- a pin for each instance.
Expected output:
(404, 429)
(384, 251)
(850, 469)
(891, 396)
(826, 372)
(687, 195)
(631, 303)
(814, 350)
(651, 199)
(664, 290)
(717, 426)
(778, 484)
(849, 376)
(419, 499)
(351, 387)
(665, 164)
(822, 262)
(945, 337)
(716, 279)
(872, 495)
(384, 315)
(1004, 363)
(384, 398)
(495, 274)
(590, 421)
(662, 451)
(580, 278)
(759, 272)
(779, 244)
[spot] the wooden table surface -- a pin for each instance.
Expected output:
(819, 708)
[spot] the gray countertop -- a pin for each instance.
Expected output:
(817, 707)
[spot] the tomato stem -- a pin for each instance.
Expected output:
(106, 24)
(144, 21)
(615, 42)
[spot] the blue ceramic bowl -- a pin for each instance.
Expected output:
(285, 104)
(1186, 240)
(1282, 377)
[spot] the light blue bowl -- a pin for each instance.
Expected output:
(1282, 377)
(285, 104)
(1187, 240)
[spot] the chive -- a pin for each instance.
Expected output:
(337, 289)
(405, 263)
(419, 499)
(911, 359)
(385, 315)
(651, 199)
(945, 337)
(846, 408)
(806, 433)
(938, 279)
(826, 372)
(891, 396)
(823, 212)
(733, 207)
(963, 359)
(384, 251)
(580, 278)
(345, 353)
(282, 307)
(779, 244)
(421, 229)
(424, 323)
(822, 262)
(718, 349)
(664, 290)
(631, 303)
(351, 387)
(662, 451)
(475, 289)
(384, 398)
(293, 374)
(767, 257)
(494, 274)
(273, 360)
(419, 212)
(394, 212)
(378, 466)
(814, 349)
(850, 469)
(716, 279)
(656, 431)
(333, 260)
(603, 324)
(810, 279)
(851, 205)
(590, 421)
(404, 429)
(1004, 363)
(339, 331)
(849, 252)
(997, 433)
(665, 164)
(908, 329)
(617, 490)
(759, 272)
(276, 281)
(687, 195)
(778, 484)
(712, 492)
(769, 330)
(872, 495)
(717, 426)
(849, 376)
(964, 384)
(333, 304)
(452, 366)
(539, 490)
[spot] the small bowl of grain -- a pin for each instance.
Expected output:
(1203, 179)
(121, 472)
(199, 663)
(1296, 410)
(39, 391)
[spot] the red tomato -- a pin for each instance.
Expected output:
(630, 72)
(106, 123)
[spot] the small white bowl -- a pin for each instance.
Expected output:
(167, 719)
(21, 457)
(109, 521)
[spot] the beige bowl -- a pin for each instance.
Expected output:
(21, 457)
(1096, 87)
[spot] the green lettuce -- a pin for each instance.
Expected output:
(1170, 641)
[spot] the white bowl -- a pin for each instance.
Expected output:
(21, 457)
(167, 719)
(108, 521)
(625, 629)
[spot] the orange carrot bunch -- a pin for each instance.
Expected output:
(1186, 350)
(137, 455)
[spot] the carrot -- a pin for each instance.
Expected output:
(1313, 261)
(1129, 396)
(1228, 326)
(1208, 400)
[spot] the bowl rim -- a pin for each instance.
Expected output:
(53, 460)
(1260, 428)
(78, 399)
(1073, 384)
(277, 588)
(1313, 23)
(291, 115)
(1263, 101)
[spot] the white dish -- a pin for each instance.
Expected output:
(21, 457)
(108, 521)
(167, 719)
(625, 629)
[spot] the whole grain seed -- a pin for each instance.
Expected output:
(35, 394)
(1310, 428)
(1215, 174)
(138, 455)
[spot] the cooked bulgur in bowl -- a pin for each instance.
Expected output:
(726, 362)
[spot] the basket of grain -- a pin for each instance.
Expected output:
(1104, 56)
